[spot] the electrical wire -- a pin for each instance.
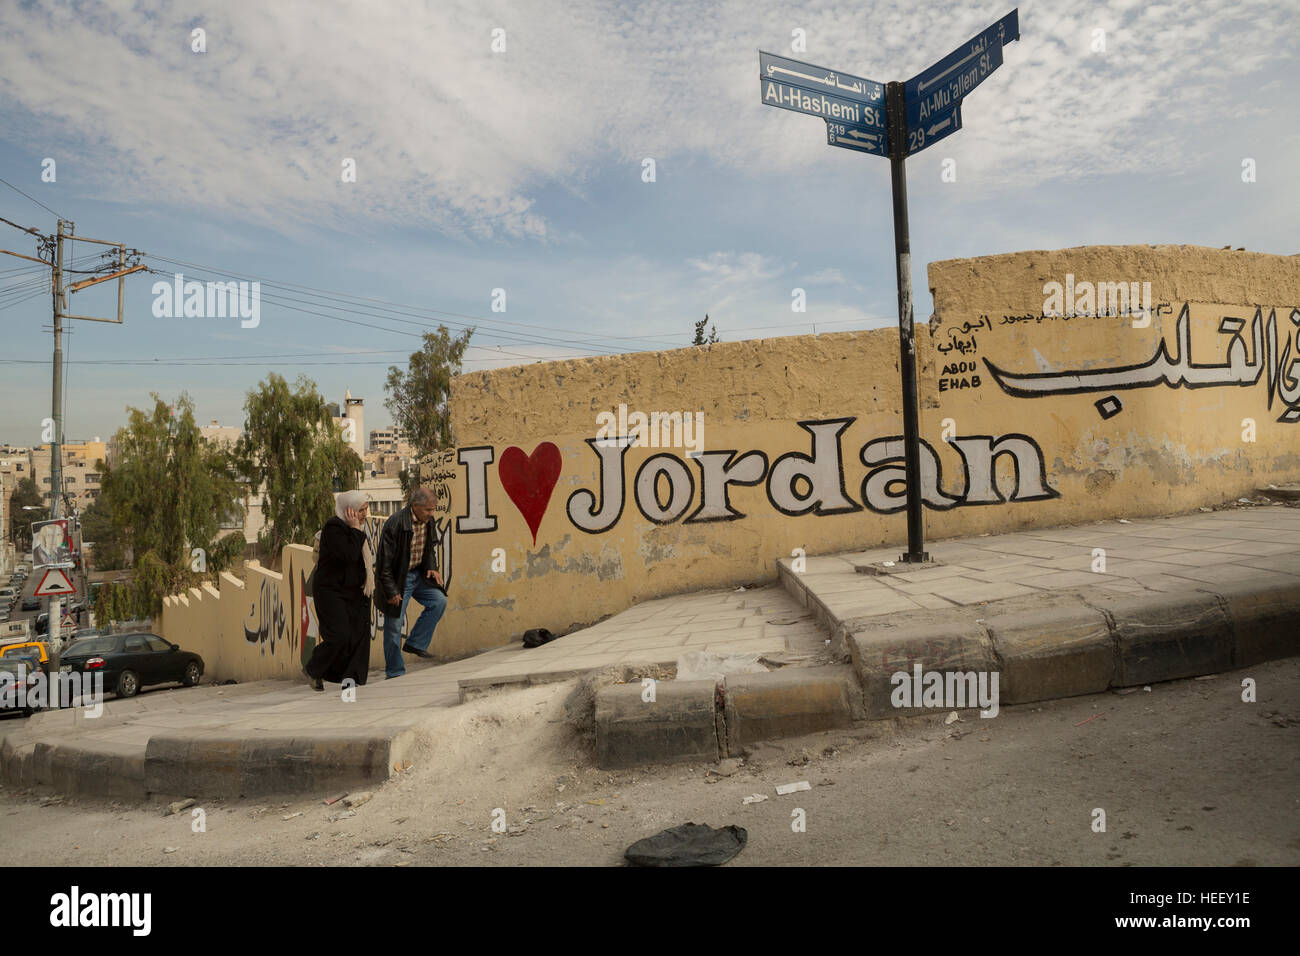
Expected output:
(33, 199)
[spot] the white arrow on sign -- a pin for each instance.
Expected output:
(53, 584)
(947, 121)
(871, 136)
(963, 61)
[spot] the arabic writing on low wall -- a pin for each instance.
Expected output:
(1268, 358)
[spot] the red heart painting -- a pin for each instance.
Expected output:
(530, 479)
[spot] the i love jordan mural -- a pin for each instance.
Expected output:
(665, 488)
(809, 476)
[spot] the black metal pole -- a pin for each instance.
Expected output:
(896, 118)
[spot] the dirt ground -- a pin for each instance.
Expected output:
(1186, 774)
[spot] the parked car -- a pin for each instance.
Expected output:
(131, 661)
(36, 650)
(15, 672)
(31, 604)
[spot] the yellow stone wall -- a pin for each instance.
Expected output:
(1196, 408)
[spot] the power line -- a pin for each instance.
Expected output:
(385, 305)
(32, 198)
(281, 300)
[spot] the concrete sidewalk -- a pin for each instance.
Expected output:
(281, 737)
(1180, 596)
(1054, 612)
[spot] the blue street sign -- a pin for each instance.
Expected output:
(826, 105)
(934, 129)
(938, 88)
(857, 137)
(820, 79)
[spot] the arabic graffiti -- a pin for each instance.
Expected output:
(1267, 358)
(266, 620)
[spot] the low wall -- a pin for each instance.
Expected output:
(1030, 416)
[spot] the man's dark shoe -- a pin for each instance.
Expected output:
(418, 653)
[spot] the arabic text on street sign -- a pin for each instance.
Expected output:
(856, 137)
(941, 86)
(820, 79)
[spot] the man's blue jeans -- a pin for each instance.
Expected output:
(434, 601)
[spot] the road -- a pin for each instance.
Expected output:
(1186, 773)
(30, 585)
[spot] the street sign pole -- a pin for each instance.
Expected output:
(917, 114)
(896, 116)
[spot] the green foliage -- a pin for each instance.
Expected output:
(699, 332)
(418, 397)
(26, 492)
(169, 487)
(166, 494)
(97, 529)
(116, 602)
(292, 450)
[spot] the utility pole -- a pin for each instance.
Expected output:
(66, 230)
(56, 447)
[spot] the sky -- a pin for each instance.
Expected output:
(505, 146)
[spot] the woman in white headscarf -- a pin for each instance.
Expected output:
(343, 583)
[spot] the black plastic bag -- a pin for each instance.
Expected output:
(537, 636)
(691, 844)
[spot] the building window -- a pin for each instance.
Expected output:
(92, 477)
(45, 481)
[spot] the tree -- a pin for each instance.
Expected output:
(26, 494)
(166, 494)
(418, 397)
(699, 332)
(292, 451)
(97, 528)
(169, 489)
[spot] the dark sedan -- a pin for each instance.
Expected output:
(131, 661)
(31, 604)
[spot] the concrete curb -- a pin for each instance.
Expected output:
(206, 765)
(703, 721)
(680, 723)
(1049, 645)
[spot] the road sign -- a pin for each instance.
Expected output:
(914, 115)
(857, 137)
(54, 583)
(941, 86)
(820, 79)
(828, 106)
(934, 129)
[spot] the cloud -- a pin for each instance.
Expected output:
(735, 267)
(448, 134)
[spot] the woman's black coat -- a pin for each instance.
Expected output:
(342, 608)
